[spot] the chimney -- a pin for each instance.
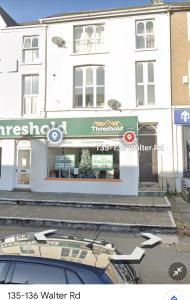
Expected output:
(154, 2)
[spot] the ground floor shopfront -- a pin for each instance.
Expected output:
(90, 158)
(181, 132)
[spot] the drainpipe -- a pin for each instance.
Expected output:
(45, 75)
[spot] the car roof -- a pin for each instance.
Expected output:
(73, 249)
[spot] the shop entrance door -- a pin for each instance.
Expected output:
(148, 167)
(23, 165)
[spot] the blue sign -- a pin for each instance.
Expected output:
(174, 298)
(54, 136)
(182, 116)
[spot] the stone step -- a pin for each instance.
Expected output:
(131, 203)
(86, 218)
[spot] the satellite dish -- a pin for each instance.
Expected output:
(58, 41)
(114, 104)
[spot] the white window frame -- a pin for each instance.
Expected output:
(31, 49)
(85, 42)
(145, 82)
(144, 34)
(94, 86)
(32, 107)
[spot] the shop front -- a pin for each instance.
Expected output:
(90, 157)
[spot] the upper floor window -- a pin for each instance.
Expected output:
(30, 94)
(88, 39)
(30, 49)
(89, 84)
(145, 83)
(145, 34)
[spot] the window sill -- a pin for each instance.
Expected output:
(31, 64)
(84, 179)
(91, 53)
(87, 108)
(146, 107)
(146, 49)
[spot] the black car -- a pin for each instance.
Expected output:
(52, 258)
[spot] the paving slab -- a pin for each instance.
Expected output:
(67, 216)
(85, 200)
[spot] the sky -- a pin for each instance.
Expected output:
(28, 10)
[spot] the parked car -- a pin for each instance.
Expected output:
(53, 258)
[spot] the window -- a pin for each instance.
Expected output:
(82, 163)
(73, 278)
(30, 94)
(3, 271)
(65, 252)
(145, 83)
(32, 273)
(30, 49)
(186, 150)
(88, 39)
(145, 34)
(27, 249)
(89, 84)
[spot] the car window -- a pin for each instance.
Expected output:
(73, 278)
(3, 271)
(38, 274)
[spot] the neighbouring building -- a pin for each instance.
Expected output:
(180, 70)
(93, 75)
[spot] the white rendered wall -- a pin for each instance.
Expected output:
(12, 69)
(8, 169)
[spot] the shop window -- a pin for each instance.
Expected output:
(30, 94)
(145, 83)
(88, 39)
(145, 34)
(0, 159)
(89, 84)
(30, 49)
(186, 145)
(82, 163)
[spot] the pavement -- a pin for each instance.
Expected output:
(115, 213)
(181, 213)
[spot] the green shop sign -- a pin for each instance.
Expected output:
(71, 127)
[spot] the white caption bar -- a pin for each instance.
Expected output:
(94, 292)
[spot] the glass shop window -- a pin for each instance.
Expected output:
(82, 163)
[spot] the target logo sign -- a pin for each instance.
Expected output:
(129, 137)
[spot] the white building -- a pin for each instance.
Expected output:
(61, 72)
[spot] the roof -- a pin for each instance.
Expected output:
(7, 19)
(99, 13)
(107, 10)
(34, 22)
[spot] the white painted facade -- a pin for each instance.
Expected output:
(55, 69)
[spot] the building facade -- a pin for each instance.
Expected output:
(180, 67)
(94, 76)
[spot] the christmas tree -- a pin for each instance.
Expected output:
(85, 166)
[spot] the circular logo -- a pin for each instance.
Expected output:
(177, 271)
(129, 137)
(54, 135)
